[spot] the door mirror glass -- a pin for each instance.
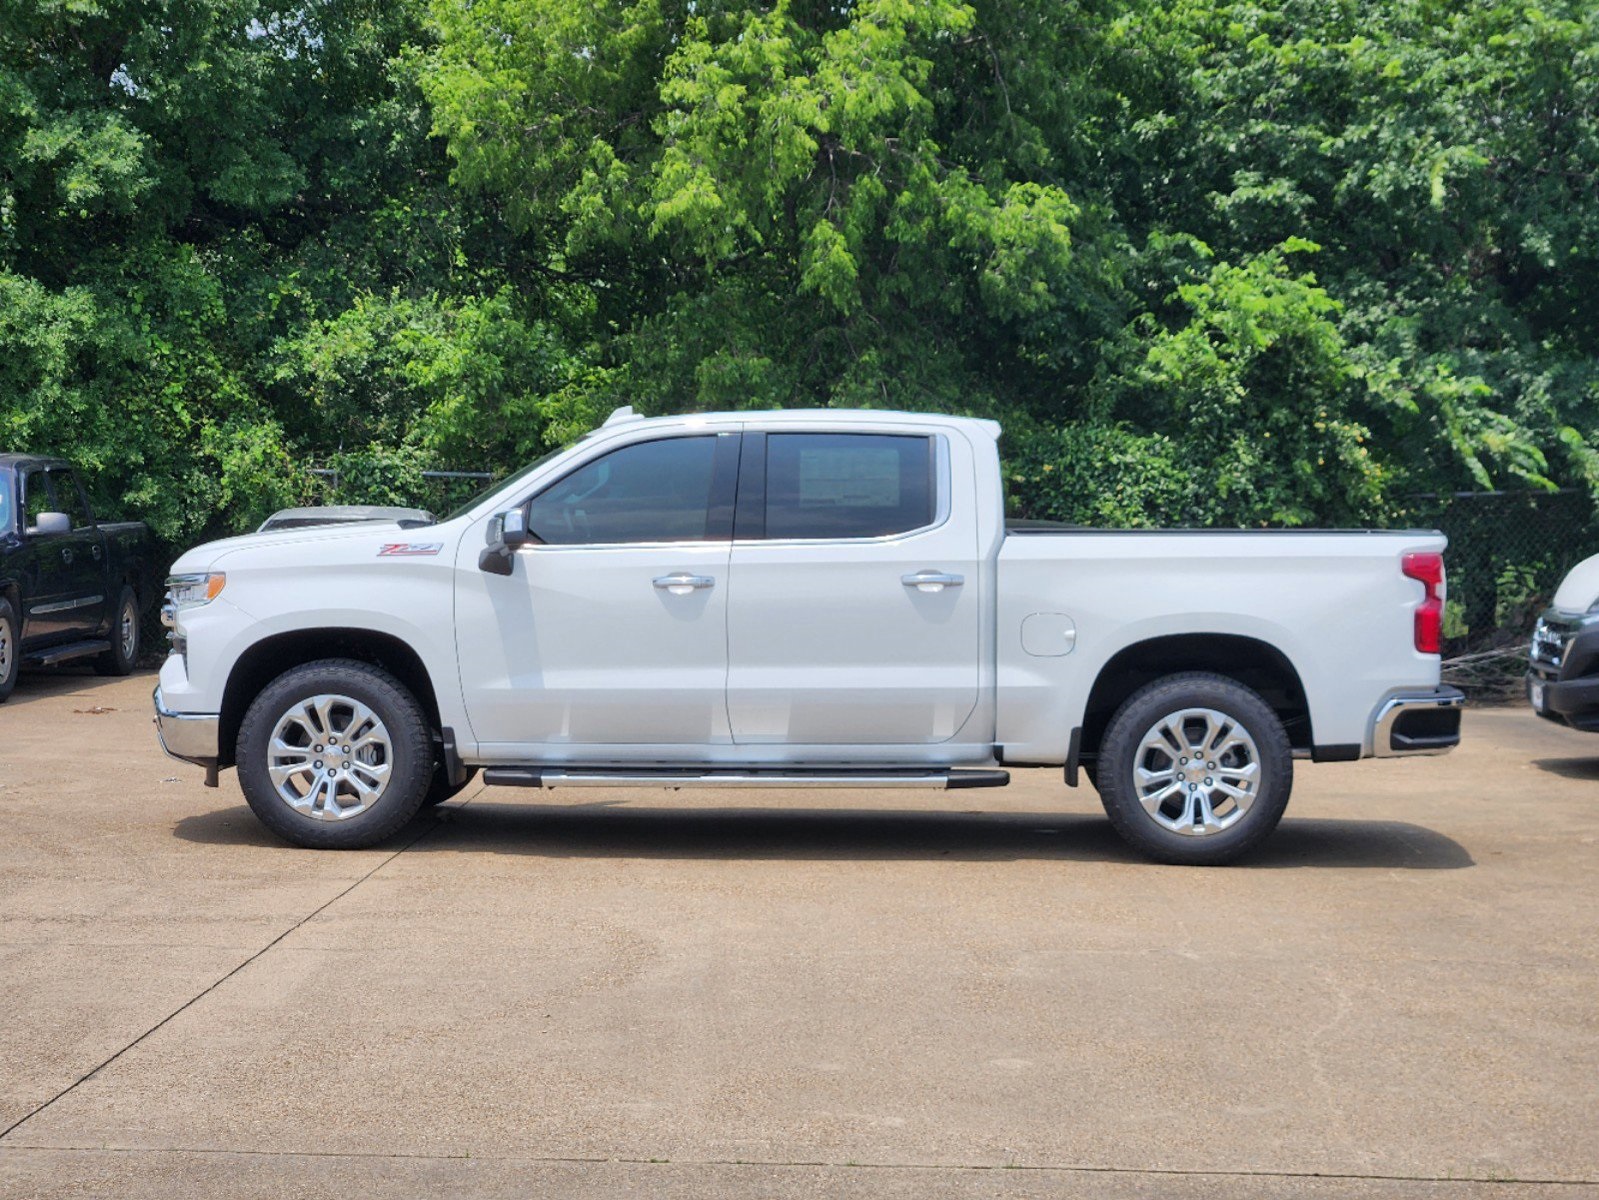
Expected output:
(51, 523)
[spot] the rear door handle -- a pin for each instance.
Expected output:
(682, 583)
(932, 581)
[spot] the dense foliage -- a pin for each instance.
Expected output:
(1273, 262)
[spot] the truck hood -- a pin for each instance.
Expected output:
(367, 534)
(1580, 588)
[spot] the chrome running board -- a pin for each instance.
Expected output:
(741, 777)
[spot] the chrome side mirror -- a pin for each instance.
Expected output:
(513, 529)
(50, 524)
(506, 533)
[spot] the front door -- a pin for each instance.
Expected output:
(65, 574)
(855, 612)
(611, 630)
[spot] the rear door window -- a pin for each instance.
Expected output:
(827, 486)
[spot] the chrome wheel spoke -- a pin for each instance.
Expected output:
(1153, 800)
(283, 772)
(366, 783)
(1240, 796)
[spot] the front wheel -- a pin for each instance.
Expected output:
(335, 755)
(1195, 769)
(10, 649)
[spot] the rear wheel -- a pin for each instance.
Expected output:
(335, 755)
(124, 653)
(10, 649)
(1195, 768)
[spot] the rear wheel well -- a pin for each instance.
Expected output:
(271, 657)
(1257, 665)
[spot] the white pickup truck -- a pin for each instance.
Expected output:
(808, 599)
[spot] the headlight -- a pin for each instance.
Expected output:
(191, 591)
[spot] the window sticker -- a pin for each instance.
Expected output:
(855, 477)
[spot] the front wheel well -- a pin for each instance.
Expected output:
(271, 657)
(1257, 665)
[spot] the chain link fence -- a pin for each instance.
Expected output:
(1508, 552)
(440, 492)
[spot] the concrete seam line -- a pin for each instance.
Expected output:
(577, 1160)
(201, 995)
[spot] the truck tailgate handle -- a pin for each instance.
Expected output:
(932, 581)
(681, 583)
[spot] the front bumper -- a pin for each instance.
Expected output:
(188, 737)
(1422, 722)
(1563, 670)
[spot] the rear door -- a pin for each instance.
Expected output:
(854, 607)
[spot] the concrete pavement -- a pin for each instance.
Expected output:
(828, 993)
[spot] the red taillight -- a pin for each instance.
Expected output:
(1429, 570)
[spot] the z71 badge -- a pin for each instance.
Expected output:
(409, 549)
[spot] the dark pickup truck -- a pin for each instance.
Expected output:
(71, 587)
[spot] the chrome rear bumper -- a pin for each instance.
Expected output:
(1418, 723)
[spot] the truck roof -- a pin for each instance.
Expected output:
(806, 416)
(31, 460)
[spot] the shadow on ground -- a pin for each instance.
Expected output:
(43, 683)
(604, 831)
(1570, 768)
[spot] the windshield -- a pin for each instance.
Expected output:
(506, 482)
(7, 486)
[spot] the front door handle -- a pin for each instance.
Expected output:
(66, 555)
(681, 583)
(932, 581)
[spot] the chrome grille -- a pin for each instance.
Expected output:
(1548, 643)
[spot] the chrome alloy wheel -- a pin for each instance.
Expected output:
(127, 631)
(1197, 772)
(7, 648)
(330, 757)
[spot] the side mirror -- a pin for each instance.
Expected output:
(507, 532)
(513, 529)
(50, 524)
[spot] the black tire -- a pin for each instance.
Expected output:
(124, 653)
(1123, 750)
(441, 789)
(409, 754)
(10, 649)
